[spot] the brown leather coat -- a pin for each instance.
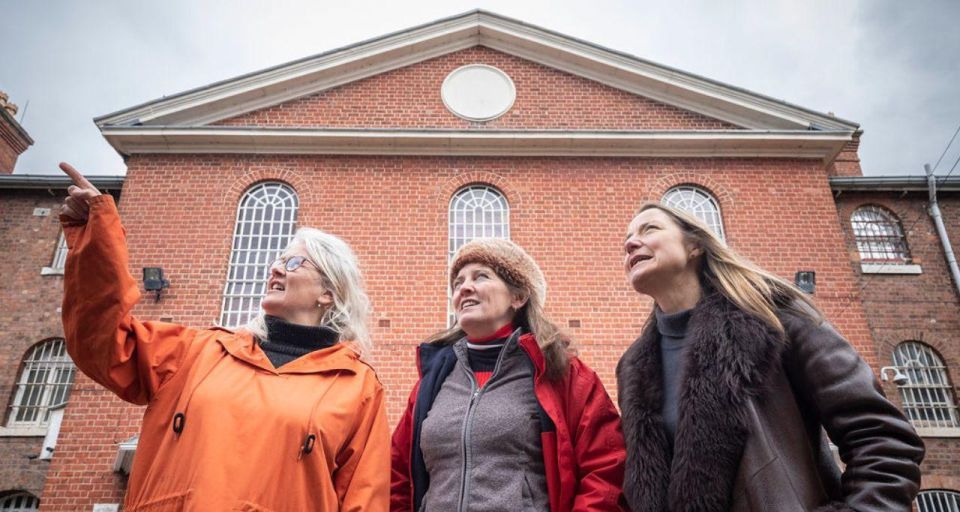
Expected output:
(753, 407)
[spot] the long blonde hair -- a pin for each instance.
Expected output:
(340, 275)
(748, 286)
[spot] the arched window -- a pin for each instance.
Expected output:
(697, 201)
(879, 236)
(44, 382)
(477, 211)
(19, 502)
(266, 221)
(928, 397)
(938, 500)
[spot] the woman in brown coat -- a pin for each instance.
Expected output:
(726, 394)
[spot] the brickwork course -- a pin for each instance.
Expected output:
(569, 211)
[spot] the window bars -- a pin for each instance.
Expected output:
(44, 383)
(928, 399)
(879, 236)
(60, 254)
(19, 502)
(477, 211)
(938, 500)
(697, 201)
(266, 221)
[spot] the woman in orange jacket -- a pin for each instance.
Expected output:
(281, 415)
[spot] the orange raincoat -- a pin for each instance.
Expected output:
(223, 428)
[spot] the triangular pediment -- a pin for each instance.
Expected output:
(411, 97)
(729, 106)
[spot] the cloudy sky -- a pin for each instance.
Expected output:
(892, 66)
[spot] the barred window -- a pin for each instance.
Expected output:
(19, 502)
(879, 236)
(928, 398)
(477, 211)
(44, 382)
(60, 254)
(697, 201)
(266, 221)
(938, 500)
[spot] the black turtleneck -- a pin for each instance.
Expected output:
(673, 345)
(286, 342)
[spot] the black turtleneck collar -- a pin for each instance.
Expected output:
(286, 341)
(673, 325)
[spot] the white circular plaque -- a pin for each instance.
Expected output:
(478, 92)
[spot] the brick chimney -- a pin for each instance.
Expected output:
(13, 138)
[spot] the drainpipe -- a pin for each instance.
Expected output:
(934, 211)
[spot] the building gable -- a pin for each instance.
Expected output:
(410, 97)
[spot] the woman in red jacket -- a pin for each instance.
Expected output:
(504, 416)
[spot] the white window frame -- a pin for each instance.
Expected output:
(881, 242)
(476, 211)
(44, 383)
(938, 500)
(699, 202)
(928, 398)
(19, 502)
(257, 241)
(59, 258)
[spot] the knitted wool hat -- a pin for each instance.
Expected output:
(509, 261)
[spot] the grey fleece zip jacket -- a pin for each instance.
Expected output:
(482, 446)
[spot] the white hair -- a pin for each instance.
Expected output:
(341, 277)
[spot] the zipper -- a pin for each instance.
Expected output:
(476, 393)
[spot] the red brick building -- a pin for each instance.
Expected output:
(912, 308)
(411, 143)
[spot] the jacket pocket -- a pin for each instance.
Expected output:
(172, 503)
(249, 506)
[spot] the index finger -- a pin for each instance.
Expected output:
(75, 175)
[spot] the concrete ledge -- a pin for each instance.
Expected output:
(889, 268)
(938, 432)
(50, 271)
(23, 431)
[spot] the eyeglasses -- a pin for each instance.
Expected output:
(292, 263)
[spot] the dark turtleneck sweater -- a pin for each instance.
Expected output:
(286, 342)
(673, 347)
(483, 353)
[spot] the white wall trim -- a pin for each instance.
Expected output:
(703, 144)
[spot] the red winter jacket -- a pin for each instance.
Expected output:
(583, 452)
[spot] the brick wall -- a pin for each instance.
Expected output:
(922, 307)
(570, 214)
(410, 98)
(29, 314)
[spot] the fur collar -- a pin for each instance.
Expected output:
(730, 356)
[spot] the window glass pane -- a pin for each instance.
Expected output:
(928, 399)
(879, 236)
(698, 202)
(476, 211)
(266, 220)
(44, 382)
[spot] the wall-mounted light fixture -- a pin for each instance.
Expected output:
(899, 378)
(806, 280)
(153, 281)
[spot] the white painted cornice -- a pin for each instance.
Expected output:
(283, 83)
(818, 145)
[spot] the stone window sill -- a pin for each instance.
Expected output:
(938, 432)
(50, 271)
(889, 268)
(23, 431)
